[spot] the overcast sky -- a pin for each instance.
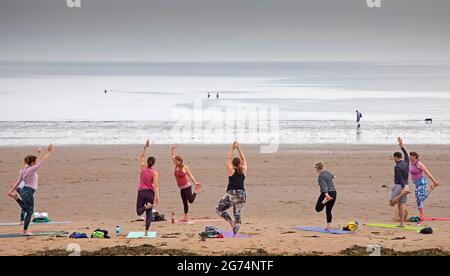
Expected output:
(224, 30)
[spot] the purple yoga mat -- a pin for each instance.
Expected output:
(239, 236)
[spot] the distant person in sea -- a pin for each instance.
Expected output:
(358, 118)
(28, 178)
(148, 191)
(418, 170)
(106, 91)
(217, 95)
(209, 95)
(182, 175)
(328, 193)
(400, 189)
(235, 196)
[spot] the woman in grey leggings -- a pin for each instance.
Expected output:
(235, 196)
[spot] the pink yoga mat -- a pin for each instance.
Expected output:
(436, 219)
(239, 236)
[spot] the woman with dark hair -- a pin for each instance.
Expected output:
(236, 195)
(182, 175)
(417, 170)
(148, 192)
(28, 179)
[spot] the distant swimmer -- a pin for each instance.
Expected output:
(217, 95)
(106, 91)
(428, 121)
(358, 118)
(209, 95)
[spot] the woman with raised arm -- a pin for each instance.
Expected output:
(235, 196)
(148, 192)
(182, 175)
(28, 181)
(417, 169)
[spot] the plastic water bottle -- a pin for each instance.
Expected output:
(117, 230)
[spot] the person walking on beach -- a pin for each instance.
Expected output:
(28, 179)
(358, 118)
(417, 169)
(328, 193)
(235, 196)
(148, 192)
(401, 189)
(182, 175)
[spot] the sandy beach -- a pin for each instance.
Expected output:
(95, 187)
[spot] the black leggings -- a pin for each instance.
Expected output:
(145, 196)
(187, 197)
(329, 205)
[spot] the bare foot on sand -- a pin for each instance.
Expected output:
(14, 196)
(27, 233)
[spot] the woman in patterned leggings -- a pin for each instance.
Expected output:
(235, 196)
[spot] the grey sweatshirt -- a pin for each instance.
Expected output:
(326, 182)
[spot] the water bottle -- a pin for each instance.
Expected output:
(117, 231)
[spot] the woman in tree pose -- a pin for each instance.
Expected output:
(235, 196)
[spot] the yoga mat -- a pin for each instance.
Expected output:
(322, 230)
(138, 235)
(38, 223)
(36, 234)
(239, 236)
(393, 226)
(436, 219)
(192, 221)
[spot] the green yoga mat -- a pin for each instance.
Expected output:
(393, 226)
(36, 234)
(140, 235)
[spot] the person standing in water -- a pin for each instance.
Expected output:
(182, 175)
(235, 196)
(328, 194)
(358, 118)
(29, 177)
(148, 192)
(217, 95)
(417, 170)
(401, 189)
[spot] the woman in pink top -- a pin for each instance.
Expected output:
(148, 192)
(28, 177)
(182, 175)
(417, 170)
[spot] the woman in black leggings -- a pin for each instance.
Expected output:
(182, 175)
(328, 193)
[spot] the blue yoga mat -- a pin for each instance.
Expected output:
(139, 235)
(36, 234)
(321, 230)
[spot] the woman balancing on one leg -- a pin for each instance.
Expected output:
(328, 193)
(235, 196)
(28, 176)
(182, 175)
(148, 192)
(417, 170)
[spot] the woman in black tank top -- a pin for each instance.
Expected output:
(235, 196)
